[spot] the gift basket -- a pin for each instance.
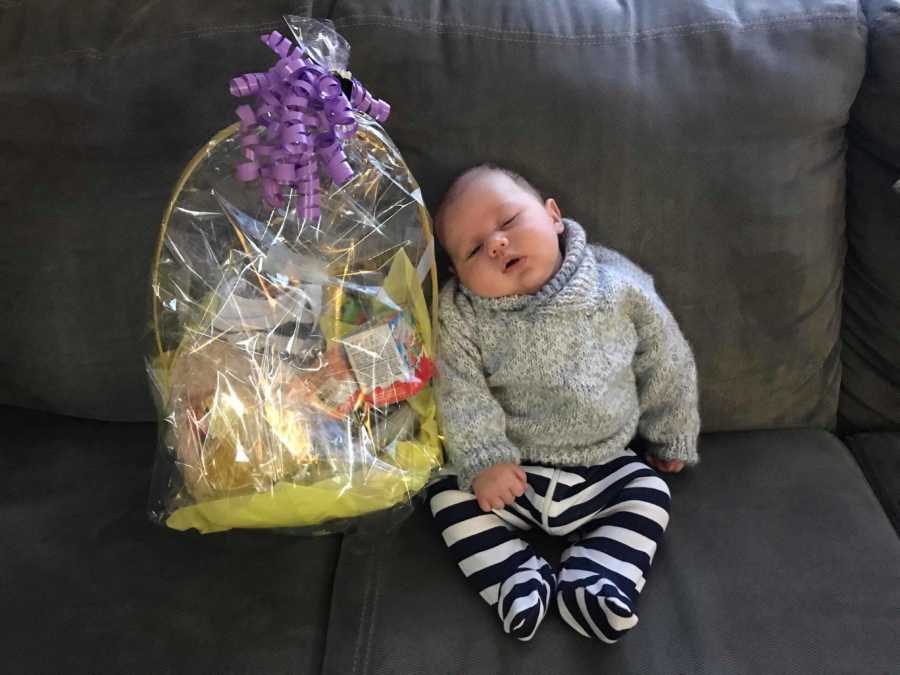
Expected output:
(292, 352)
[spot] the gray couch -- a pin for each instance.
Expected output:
(743, 152)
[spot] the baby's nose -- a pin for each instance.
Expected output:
(497, 245)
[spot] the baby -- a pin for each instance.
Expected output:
(552, 355)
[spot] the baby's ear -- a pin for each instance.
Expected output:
(552, 210)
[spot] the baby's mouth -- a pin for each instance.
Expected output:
(509, 264)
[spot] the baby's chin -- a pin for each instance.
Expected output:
(523, 287)
(530, 286)
(493, 291)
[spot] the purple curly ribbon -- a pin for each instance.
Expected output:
(306, 118)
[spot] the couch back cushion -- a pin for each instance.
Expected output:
(703, 139)
(870, 390)
(102, 108)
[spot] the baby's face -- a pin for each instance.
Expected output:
(501, 239)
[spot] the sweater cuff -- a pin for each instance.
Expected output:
(680, 447)
(478, 459)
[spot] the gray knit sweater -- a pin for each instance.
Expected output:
(568, 375)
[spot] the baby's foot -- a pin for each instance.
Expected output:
(597, 610)
(525, 597)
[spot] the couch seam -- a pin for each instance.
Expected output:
(589, 38)
(70, 56)
(504, 31)
(500, 35)
(375, 600)
(360, 641)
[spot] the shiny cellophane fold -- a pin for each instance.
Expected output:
(292, 357)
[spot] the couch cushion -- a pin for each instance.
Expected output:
(878, 455)
(778, 559)
(93, 586)
(703, 139)
(870, 389)
(102, 108)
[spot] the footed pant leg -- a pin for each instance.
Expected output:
(603, 573)
(502, 568)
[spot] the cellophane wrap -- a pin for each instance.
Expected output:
(293, 348)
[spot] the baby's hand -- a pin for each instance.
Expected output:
(499, 485)
(665, 465)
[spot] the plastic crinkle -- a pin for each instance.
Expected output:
(292, 351)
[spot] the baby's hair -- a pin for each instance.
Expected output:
(453, 191)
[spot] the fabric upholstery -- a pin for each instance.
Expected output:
(103, 106)
(703, 140)
(870, 388)
(777, 559)
(878, 455)
(89, 585)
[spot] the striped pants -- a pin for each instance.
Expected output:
(615, 512)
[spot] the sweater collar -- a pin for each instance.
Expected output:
(565, 289)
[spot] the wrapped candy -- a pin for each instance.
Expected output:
(293, 347)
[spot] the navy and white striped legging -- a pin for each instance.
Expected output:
(616, 512)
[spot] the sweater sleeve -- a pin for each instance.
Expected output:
(473, 422)
(666, 376)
